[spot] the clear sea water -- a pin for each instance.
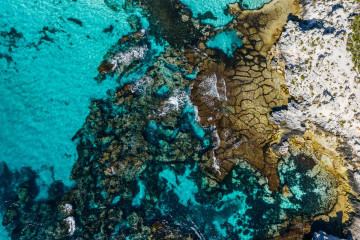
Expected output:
(254, 4)
(217, 8)
(49, 53)
(226, 41)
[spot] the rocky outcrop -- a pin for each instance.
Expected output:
(249, 89)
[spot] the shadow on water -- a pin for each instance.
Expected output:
(333, 227)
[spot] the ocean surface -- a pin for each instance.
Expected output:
(50, 51)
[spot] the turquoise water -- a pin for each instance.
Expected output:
(46, 89)
(226, 41)
(214, 11)
(163, 92)
(243, 207)
(253, 4)
(182, 185)
(217, 16)
(231, 213)
(50, 51)
(141, 194)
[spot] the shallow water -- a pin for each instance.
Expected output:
(214, 11)
(226, 41)
(47, 85)
(46, 88)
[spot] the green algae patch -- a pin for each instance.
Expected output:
(354, 42)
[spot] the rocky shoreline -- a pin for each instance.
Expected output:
(200, 145)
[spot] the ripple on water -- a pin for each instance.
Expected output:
(49, 53)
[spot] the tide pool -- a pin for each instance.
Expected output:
(253, 4)
(210, 11)
(214, 11)
(226, 41)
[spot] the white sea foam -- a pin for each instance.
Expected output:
(71, 223)
(67, 208)
(128, 56)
